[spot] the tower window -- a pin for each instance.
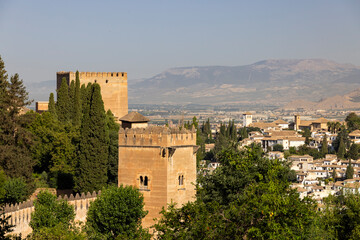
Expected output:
(122, 74)
(181, 180)
(117, 74)
(111, 74)
(107, 81)
(95, 81)
(144, 183)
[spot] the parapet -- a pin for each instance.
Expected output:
(157, 136)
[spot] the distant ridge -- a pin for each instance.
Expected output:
(272, 82)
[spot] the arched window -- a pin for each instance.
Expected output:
(107, 81)
(179, 180)
(95, 81)
(141, 181)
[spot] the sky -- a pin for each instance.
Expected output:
(143, 38)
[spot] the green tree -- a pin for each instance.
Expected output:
(93, 157)
(77, 102)
(278, 147)
(5, 227)
(341, 150)
(353, 152)
(16, 190)
(113, 131)
(237, 202)
(15, 140)
(52, 108)
(117, 214)
(352, 121)
(334, 175)
(349, 174)
(63, 107)
(307, 135)
(324, 146)
(50, 212)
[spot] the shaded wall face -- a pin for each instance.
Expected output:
(136, 163)
(181, 174)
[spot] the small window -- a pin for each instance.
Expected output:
(181, 180)
(95, 81)
(111, 74)
(146, 181)
(117, 74)
(107, 81)
(122, 74)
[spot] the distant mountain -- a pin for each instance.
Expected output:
(272, 82)
(347, 101)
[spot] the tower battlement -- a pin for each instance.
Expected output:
(156, 136)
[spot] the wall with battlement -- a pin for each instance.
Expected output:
(113, 88)
(156, 136)
(20, 214)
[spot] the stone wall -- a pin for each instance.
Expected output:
(20, 214)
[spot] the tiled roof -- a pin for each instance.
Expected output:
(134, 117)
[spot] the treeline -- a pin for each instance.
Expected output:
(72, 146)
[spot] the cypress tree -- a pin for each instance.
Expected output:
(72, 100)
(93, 157)
(77, 102)
(341, 151)
(349, 174)
(51, 108)
(353, 152)
(324, 146)
(113, 135)
(63, 102)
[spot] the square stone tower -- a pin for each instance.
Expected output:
(114, 88)
(161, 162)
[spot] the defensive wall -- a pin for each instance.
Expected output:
(114, 88)
(20, 213)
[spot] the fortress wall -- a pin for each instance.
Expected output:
(20, 213)
(113, 88)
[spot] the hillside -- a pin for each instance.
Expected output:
(274, 82)
(347, 101)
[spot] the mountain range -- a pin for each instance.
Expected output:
(268, 82)
(289, 83)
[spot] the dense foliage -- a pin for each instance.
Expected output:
(117, 214)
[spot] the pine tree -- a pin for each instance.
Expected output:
(93, 157)
(63, 102)
(341, 151)
(77, 102)
(51, 108)
(324, 146)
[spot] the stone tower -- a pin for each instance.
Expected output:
(297, 122)
(161, 162)
(113, 88)
(247, 119)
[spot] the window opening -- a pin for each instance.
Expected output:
(95, 80)
(107, 81)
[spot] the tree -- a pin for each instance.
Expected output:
(237, 201)
(278, 147)
(113, 132)
(334, 175)
(353, 152)
(50, 212)
(349, 174)
(307, 135)
(341, 150)
(93, 157)
(324, 146)
(117, 214)
(77, 102)
(352, 121)
(63, 102)
(15, 140)
(5, 227)
(52, 109)
(16, 190)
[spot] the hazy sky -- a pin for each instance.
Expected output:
(143, 38)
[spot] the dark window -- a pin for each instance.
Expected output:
(146, 181)
(111, 74)
(122, 74)
(117, 74)
(95, 80)
(107, 81)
